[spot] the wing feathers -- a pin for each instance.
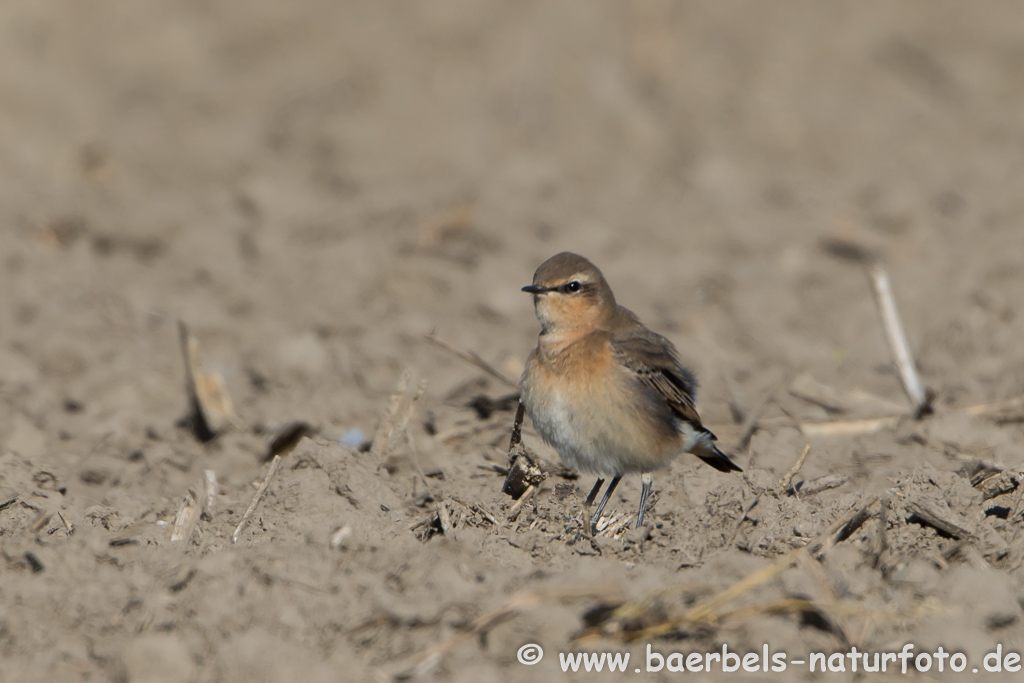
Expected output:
(653, 360)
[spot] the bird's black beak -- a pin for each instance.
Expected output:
(535, 289)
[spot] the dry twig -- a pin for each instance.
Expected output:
(466, 429)
(613, 525)
(69, 528)
(339, 536)
(754, 421)
(41, 520)
(883, 526)
(1002, 411)
(479, 509)
(210, 406)
(787, 480)
(897, 339)
(843, 529)
(840, 401)
(186, 519)
(828, 610)
(708, 611)
(472, 358)
(274, 464)
(445, 519)
(1008, 410)
(212, 489)
(524, 471)
(823, 483)
(517, 427)
(387, 419)
(712, 611)
(848, 427)
(928, 516)
(527, 494)
(403, 422)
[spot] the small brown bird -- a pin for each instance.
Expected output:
(610, 395)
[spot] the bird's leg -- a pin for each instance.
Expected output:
(647, 480)
(604, 501)
(593, 495)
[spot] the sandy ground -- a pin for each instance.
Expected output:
(313, 186)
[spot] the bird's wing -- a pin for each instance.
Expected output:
(652, 358)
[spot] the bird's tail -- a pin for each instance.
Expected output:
(719, 460)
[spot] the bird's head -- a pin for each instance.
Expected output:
(570, 293)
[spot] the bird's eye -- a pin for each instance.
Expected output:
(573, 287)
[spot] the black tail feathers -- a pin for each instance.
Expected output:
(720, 461)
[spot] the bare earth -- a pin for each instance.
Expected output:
(314, 186)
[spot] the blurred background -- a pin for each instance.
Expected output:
(320, 183)
(314, 185)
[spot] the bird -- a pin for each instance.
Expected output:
(610, 395)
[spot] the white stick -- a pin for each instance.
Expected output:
(848, 427)
(185, 521)
(895, 335)
(212, 491)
